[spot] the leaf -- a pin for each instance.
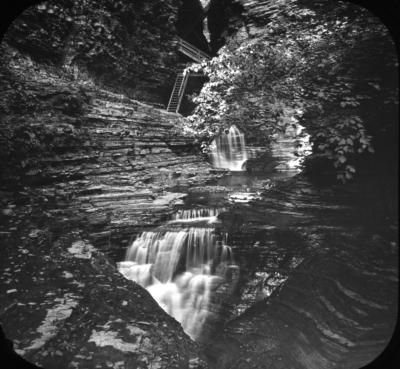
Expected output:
(342, 159)
(350, 168)
(340, 176)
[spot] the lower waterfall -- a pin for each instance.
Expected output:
(228, 150)
(181, 268)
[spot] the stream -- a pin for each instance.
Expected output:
(238, 242)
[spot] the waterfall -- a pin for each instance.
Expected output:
(181, 269)
(196, 215)
(228, 150)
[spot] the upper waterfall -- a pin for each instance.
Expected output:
(228, 150)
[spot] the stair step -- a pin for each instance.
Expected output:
(177, 92)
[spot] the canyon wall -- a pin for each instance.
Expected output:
(111, 159)
(83, 169)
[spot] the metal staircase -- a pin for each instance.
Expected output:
(177, 92)
(181, 79)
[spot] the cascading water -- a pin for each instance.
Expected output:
(181, 268)
(228, 150)
(196, 215)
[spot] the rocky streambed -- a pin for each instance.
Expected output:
(317, 283)
(318, 278)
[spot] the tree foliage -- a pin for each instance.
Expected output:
(119, 43)
(322, 64)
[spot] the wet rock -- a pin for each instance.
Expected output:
(81, 250)
(206, 188)
(329, 285)
(76, 311)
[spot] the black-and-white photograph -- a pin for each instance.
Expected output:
(199, 184)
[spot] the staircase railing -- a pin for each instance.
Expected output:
(178, 91)
(191, 51)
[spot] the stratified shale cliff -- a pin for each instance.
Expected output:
(80, 163)
(83, 167)
(110, 158)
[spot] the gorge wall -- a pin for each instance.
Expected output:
(83, 167)
(99, 151)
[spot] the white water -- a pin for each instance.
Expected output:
(196, 215)
(228, 150)
(180, 269)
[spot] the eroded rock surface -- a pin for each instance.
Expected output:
(85, 162)
(321, 282)
(110, 165)
(66, 306)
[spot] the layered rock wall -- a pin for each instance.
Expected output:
(109, 161)
(81, 164)
(327, 267)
